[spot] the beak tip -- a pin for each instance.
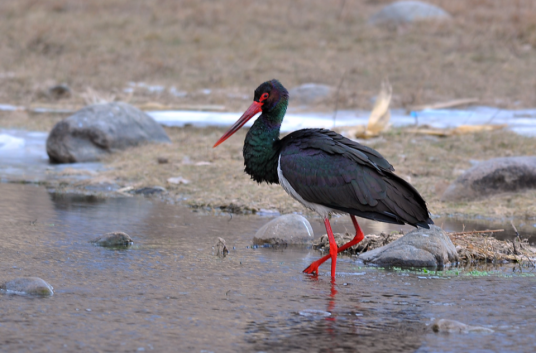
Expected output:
(255, 108)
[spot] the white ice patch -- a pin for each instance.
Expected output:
(8, 142)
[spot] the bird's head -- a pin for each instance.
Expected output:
(269, 97)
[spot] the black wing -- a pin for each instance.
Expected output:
(329, 169)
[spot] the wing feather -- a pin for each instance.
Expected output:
(328, 169)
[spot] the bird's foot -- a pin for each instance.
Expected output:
(313, 268)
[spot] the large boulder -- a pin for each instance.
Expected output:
(497, 175)
(100, 129)
(401, 12)
(431, 248)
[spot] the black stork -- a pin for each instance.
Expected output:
(326, 172)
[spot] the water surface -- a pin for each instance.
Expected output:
(170, 293)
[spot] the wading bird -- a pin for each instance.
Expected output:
(324, 171)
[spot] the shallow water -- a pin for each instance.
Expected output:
(169, 293)
(23, 156)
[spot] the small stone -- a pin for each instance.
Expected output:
(113, 239)
(314, 313)
(162, 160)
(59, 91)
(221, 248)
(401, 12)
(290, 229)
(430, 248)
(178, 180)
(149, 190)
(28, 286)
(453, 326)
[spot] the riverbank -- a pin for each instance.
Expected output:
(214, 179)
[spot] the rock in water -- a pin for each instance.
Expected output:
(113, 239)
(431, 248)
(28, 286)
(507, 174)
(290, 229)
(453, 326)
(401, 12)
(100, 129)
(149, 190)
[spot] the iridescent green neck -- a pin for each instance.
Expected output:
(261, 148)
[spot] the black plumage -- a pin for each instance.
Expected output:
(324, 171)
(326, 168)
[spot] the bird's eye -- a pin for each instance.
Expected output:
(263, 97)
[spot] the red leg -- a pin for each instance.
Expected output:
(332, 247)
(359, 235)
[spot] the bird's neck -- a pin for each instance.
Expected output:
(261, 147)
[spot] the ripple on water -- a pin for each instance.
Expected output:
(171, 291)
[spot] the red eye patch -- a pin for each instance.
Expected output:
(263, 97)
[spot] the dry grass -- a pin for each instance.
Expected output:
(432, 163)
(429, 163)
(476, 247)
(487, 50)
(472, 247)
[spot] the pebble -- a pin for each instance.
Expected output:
(453, 326)
(113, 239)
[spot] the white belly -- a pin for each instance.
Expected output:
(323, 211)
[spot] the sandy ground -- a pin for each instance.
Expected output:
(97, 48)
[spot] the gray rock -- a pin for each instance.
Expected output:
(59, 91)
(28, 286)
(290, 229)
(146, 191)
(401, 12)
(113, 239)
(452, 326)
(497, 175)
(310, 92)
(431, 248)
(100, 129)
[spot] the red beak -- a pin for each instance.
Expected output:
(253, 109)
